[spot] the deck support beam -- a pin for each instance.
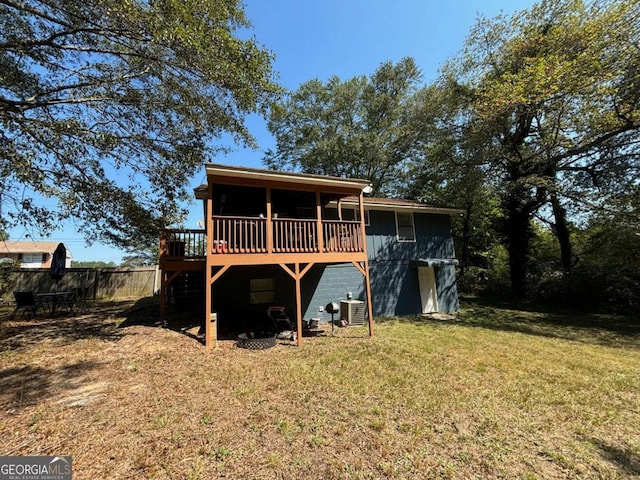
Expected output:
(297, 275)
(365, 265)
(210, 332)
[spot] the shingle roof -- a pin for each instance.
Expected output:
(391, 203)
(27, 247)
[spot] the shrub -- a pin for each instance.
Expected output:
(6, 272)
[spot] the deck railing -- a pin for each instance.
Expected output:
(341, 236)
(239, 235)
(295, 236)
(235, 235)
(183, 243)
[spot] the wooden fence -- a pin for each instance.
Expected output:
(103, 283)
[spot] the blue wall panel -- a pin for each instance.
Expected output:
(330, 283)
(394, 282)
(433, 237)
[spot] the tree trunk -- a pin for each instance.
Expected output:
(466, 240)
(518, 236)
(562, 233)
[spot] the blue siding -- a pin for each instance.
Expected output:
(394, 281)
(330, 283)
(321, 285)
(394, 288)
(231, 297)
(447, 289)
(433, 237)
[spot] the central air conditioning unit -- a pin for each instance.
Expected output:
(352, 311)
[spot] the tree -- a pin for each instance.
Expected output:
(143, 259)
(553, 93)
(451, 172)
(92, 264)
(362, 127)
(108, 107)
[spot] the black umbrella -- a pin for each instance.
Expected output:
(58, 263)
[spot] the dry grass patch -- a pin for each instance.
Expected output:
(497, 393)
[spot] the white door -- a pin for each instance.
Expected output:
(428, 294)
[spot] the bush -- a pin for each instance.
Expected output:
(6, 272)
(593, 288)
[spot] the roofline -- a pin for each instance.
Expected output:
(372, 204)
(355, 184)
(20, 246)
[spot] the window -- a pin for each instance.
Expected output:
(353, 214)
(32, 260)
(261, 290)
(404, 227)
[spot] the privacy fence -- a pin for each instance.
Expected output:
(102, 283)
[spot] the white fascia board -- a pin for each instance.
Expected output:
(406, 208)
(292, 178)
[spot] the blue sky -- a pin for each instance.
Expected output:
(322, 38)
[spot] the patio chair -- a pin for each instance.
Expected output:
(26, 302)
(81, 299)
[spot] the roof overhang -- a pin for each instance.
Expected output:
(380, 204)
(433, 262)
(294, 179)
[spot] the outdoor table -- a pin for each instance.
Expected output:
(54, 300)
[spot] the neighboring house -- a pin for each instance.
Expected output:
(302, 241)
(31, 254)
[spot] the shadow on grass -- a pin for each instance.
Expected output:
(595, 329)
(29, 385)
(187, 320)
(23, 332)
(145, 312)
(623, 458)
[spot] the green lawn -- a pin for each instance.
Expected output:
(496, 393)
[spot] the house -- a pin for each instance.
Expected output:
(302, 241)
(31, 254)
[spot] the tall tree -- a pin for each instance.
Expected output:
(109, 106)
(451, 172)
(554, 93)
(362, 127)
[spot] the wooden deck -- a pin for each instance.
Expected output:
(265, 217)
(250, 240)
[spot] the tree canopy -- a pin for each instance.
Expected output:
(533, 129)
(553, 93)
(107, 107)
(363, 127)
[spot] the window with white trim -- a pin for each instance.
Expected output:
(33, 260)
(404, 227)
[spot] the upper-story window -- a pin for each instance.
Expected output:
(404, 227)
(353, 214)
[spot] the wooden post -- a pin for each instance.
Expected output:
(369, 305)
(298, 305)
(210, 332)
(163, 252)
(163, 299)
(269, 223)
(319, 223)
(363, 239)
